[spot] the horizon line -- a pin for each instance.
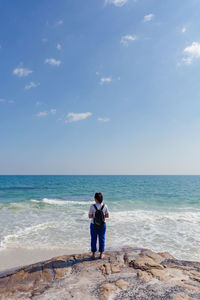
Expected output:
(99, 174)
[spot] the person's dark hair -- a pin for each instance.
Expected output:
(99, 197)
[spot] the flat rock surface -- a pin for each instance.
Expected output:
(131, 273)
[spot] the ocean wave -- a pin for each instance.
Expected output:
(177, 232)
(61, 202)
(14, 206)
(25, 232)
(192, 217)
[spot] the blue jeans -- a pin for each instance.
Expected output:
(101, 234)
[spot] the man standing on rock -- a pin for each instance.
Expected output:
(97, 213)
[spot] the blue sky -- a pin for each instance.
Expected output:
(99, 87)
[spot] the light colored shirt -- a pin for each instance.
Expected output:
(93, 210)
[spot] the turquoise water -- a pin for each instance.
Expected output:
(157, 212)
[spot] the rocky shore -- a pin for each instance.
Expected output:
(131, 273)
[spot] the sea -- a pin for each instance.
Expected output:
(161, 213)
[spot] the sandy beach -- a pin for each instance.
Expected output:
(12, 258)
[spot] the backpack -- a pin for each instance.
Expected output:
(99, 219)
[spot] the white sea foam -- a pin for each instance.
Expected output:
(61, 202)
(152, 216)
(11, 239)
(175, 231)
(34, 200)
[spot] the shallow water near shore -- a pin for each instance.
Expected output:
(50, 212)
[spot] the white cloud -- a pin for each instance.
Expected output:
(183, 30)
(42, 114)
(126, 39)
(31, 85)
(59, 47)
(59, 22)
(192, 52)
(103, 119)
(118, 3)
(11, 101)
(53, 62)
(105, 80)
(22, 72)
(46, 113)
(149, 17)
(74, 117)
(187, 60)
(0, 46)
(2, 100)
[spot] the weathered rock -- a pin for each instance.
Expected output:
(142, 275)
(117, 258)
(107, 268)
(4, 283)
(194, 275)
(108, 291)
(120, 258)
(189, 286)
(130, 257)
(146, 263)
(131, 273)
(103, 269)
(115, 269)
(123, 285)
(156, 257)
(182, 296)
(160, 274)
(62, 272)
(166, 255)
